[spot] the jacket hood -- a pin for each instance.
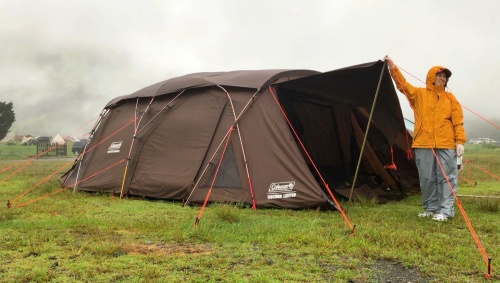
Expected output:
(431, 76)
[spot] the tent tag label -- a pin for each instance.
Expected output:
(115, 147)
(281, 190)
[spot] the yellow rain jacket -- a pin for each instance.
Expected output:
(438, 115)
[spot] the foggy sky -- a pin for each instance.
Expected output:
(62, 61)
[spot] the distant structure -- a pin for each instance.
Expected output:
(482, 141)
(58, 140)
(48, 146)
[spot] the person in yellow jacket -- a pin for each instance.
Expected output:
(438, 136)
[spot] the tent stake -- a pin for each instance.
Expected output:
(352, 231)
(488, 276)
(196, 222)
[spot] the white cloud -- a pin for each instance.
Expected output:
(62, 61)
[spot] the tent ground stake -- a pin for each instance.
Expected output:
(488, 276)
(352, 231)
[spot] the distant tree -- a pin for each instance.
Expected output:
(7, 118)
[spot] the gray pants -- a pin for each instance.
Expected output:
(436, 193)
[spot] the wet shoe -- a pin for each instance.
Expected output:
(425, 214)
(440, 217)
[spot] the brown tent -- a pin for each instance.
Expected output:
(271, 138)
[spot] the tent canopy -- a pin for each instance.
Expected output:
(275, 138)
(253, 79)
(355, 86)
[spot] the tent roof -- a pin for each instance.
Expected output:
(355, 86)
(247, 79)
(58, 140)
(26, 139)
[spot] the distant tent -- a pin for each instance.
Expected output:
(57, 140)
(26, 140)
(272, 138)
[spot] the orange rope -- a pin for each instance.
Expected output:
(108, 137)
(466, 179)
(459, 203)
(351, 227)
(39, 183)
(97, 173)
(30, 160)
(215, 177)
(486, 120)
(81, 127)
(48, 177)
(467, 168)
(7, 168)
(485, 171)
(245, 161)
(39, 198)
(408, 147)
(26, 164)
(194, 186)
(391, 166)
(62, 189)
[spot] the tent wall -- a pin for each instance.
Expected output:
(182, 147)
(224, 187)
(326, 132)
(170, 154)
(273, 159)
(333, 133)
(102, 167)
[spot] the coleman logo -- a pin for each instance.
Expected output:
(281, 186)
(281, 190)
(115, 147)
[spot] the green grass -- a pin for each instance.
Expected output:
(21, 152)
(82, 237)
(9, 152)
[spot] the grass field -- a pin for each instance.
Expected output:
(81, 237)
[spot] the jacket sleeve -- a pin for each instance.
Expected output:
(403, 86)
(457, 119)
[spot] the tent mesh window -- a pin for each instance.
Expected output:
(228, 175)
